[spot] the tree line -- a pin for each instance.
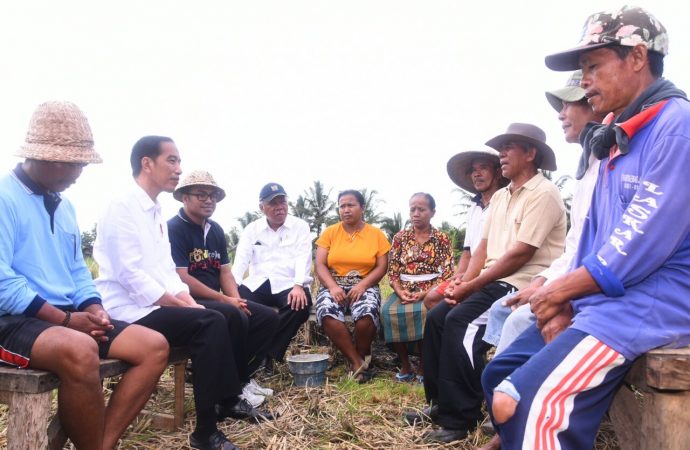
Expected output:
(317, 205)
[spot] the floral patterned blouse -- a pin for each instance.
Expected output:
(407, 256)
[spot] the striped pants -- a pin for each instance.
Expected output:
(563, 389)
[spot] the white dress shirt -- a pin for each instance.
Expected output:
(283, 256)
(133, 254)
(582, 198)
(476, 216)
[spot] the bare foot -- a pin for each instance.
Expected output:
(493, 444)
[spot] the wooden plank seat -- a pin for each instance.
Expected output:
(652, 408)
(27, 392)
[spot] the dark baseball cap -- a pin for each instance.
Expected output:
(627, 26)
(271, 191)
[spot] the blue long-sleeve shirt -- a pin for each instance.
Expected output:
(39, 261)
(636, 240)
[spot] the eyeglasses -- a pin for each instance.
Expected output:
(203, 196)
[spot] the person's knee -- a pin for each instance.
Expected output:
(503, 407)
(437, 316)
(142, 346)
(432, 298)
(77, 359)
(302, 314)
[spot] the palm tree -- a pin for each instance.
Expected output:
(248, 217)
(457, 237)
(567, 198)
(232, 238)
(464, 204)
(314, 206)
(371, 204)
(392, 225)
(300, 208)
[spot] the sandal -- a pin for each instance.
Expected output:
(404, 377)
(365, 376)
(362, 368)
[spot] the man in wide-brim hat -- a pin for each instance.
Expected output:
(51, 316)
(523, 234)
(478, 172)
(629, 291)
(200, 252)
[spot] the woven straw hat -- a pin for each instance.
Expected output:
(460, 167)
(198, 178)
(59, 132)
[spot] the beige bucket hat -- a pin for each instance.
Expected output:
(460, 167)
(197, 178)
(59, 132)
(532, 134)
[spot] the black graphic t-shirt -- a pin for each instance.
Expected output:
(201, 251)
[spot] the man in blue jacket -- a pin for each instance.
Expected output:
(633, 259)
(51, 316)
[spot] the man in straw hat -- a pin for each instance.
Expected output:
(478, 172)
(51, 316)
(628, 293)
(276, 252)
(510, 316)
(139, 283)
(200, 252)
(523, 234)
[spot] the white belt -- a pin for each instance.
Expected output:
(417, 278)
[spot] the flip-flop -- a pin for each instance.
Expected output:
(363, 368)
(404, 377)
(365, 376)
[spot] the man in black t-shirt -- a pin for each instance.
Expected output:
(199, 249)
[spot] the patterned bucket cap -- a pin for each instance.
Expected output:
(572, 92)
(628, 26)
(198, 178)
(59, 132)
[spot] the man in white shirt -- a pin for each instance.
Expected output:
(139, 284)
(276, 250)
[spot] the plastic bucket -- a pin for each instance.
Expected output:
(308, 369)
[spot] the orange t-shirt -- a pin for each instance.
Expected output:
(357, 252)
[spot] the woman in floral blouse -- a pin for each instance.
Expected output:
(421, 257)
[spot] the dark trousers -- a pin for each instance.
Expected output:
(290, 320)
(453, 356)
(205, 332)
(251, 336)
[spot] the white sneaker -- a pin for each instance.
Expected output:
(253, 399)
(256, 388)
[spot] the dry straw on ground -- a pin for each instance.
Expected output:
(339, 415)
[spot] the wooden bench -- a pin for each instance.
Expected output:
(28, 394)
(652, 408)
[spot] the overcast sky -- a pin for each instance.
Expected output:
(356, 93)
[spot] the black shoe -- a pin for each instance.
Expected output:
(428, 414)
(242, 410)
(217, 441)
(444, 435)
(269, 368)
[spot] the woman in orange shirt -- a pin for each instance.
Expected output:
(351, 259)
